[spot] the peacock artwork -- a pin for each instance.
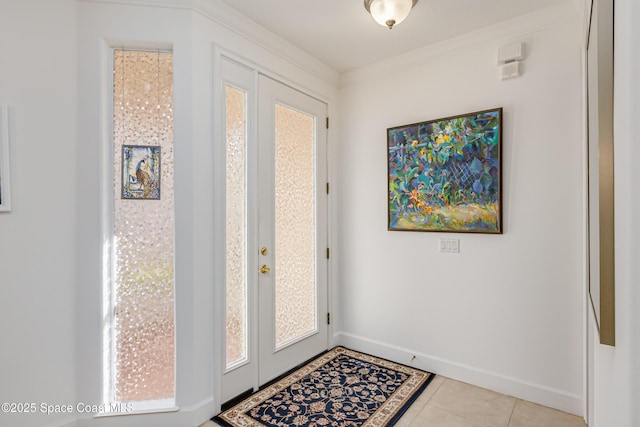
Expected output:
(445, 174)
(141, 172)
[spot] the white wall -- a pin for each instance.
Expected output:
(37, 239)
(506, 312)
(193, 30)
(100, 27)
(54, 57)
(615, 371)
(518, 331)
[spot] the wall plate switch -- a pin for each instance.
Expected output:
(449, 245)
(510, 70)
(512, 52)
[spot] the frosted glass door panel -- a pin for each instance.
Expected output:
(236, 233)
(142, 359)
(295, 226)
(235, 219)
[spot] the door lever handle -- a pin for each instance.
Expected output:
(264, 269)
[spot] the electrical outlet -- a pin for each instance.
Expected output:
(450, 245)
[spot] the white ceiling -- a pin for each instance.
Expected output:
(341, 33)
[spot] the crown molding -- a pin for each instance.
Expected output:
(507, 30)
(227, 17)
(224, 15)
(173, 4)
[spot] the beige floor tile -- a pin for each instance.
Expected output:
(475, 404)
(420, 402)
(527, 414)
(450, 403)
(434, 417)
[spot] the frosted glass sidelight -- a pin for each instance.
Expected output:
(236, 281)
(295, 225)
(143, 333)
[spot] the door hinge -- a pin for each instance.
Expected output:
(327, 122)
(327, 253)
(327, 188)
(328, 318)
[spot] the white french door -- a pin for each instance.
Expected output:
(292, 228)
(276, 229)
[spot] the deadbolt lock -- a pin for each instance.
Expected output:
(264, 251)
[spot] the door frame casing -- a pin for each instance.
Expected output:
(221, 54)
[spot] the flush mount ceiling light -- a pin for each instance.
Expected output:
(389, 12)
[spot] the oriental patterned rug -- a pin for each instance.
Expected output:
(340, 388)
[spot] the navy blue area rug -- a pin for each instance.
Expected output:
(340, 388)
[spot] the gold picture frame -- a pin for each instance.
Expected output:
(5, 170)
(600, 83)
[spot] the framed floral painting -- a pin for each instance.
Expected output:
(445, 174)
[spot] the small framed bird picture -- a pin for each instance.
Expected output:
(141, 172)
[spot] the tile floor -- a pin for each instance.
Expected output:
(450, 403)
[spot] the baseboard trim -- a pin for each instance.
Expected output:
(191, 415)
(67, 422)
(536, 393)
(202, 411)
